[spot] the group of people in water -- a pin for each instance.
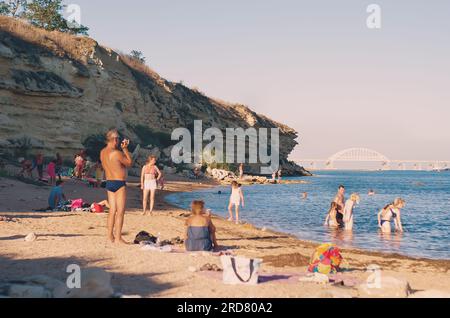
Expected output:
(341, 214)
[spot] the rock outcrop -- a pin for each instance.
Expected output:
(56, 90)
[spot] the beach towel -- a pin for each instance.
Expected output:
(240, 270)
(326, 259)
(76, 204)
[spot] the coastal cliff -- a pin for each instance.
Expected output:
(59, 90)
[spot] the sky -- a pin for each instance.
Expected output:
(313, 65)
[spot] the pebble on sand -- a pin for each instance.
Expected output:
(31, 237)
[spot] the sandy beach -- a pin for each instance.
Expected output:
(79, 238)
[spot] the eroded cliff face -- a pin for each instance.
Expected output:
(57, 91)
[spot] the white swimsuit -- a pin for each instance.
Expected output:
(150, 183)
(235, 197)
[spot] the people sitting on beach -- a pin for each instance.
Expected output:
(348, 211)
(391, 212)
(56, 197)
(51, 171)
(27, 168)
(150, 176)
(331, 220)
(339, 199)
(237, 197)
(200, 230)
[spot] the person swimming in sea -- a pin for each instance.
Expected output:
(331, 220)
(391, 212)
(237, 197)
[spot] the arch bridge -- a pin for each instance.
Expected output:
(370, 155)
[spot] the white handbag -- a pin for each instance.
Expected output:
(240, 270)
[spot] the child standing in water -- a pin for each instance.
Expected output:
(331, 220)
(237, 197)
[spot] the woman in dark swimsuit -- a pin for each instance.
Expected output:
(391, 212)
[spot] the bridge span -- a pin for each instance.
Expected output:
(368, 155)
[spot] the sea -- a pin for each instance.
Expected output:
(425, 218)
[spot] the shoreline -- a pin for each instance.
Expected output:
(80, 238)
(354, 250)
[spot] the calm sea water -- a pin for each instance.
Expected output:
(426, 217)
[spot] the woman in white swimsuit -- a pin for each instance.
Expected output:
(149, 183)
(237, 197)
(348, 211)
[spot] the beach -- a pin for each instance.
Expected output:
(80, 238)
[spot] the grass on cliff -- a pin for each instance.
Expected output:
(76, 47)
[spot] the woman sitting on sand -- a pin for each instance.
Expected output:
(389, 213)
(348, 211)
(200, 232)
(331, 220)
(149, 183)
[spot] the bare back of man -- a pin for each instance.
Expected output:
(115, 163)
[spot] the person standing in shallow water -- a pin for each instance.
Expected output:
(391, 212)
(348, 211)
(115, 163)
(339, 199)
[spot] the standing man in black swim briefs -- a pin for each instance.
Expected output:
(115, 164)
(339, 199)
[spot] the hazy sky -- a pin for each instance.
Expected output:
(313, 65)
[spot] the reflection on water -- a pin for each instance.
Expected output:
(426, 217)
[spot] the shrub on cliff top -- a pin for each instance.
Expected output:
(45, 14)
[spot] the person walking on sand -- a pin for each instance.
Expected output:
(241, 171)
(339, 199)
(115, 164)
(150, 177)
(237, 197)
(348, 211)
(391, 212)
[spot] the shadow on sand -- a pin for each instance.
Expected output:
(127, 284)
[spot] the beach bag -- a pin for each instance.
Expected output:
(326, 260)
(76, 204)
(240, 270)
(143, 237)
(97, 208)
